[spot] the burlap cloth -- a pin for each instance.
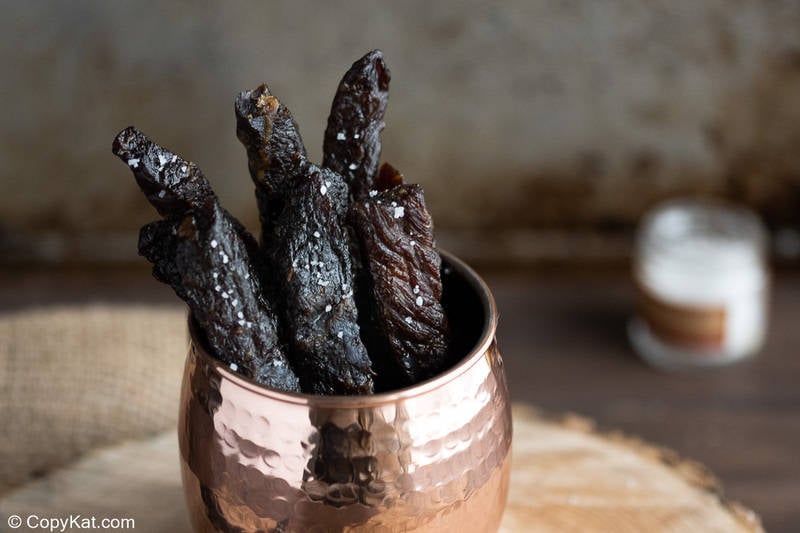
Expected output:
(76, 377)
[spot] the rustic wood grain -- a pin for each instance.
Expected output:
(568, 477)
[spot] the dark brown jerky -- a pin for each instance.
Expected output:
(274, 147)
(396, 238)
(328, 363)
(172, 184)
(388, 177)
(352, 145)
(179, 190)
(201, 256)
(312, 258)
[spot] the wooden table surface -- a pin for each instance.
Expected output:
(563, 339)
(565, 346)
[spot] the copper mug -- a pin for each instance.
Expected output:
(432, 457)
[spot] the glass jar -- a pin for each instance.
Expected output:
(702, 284)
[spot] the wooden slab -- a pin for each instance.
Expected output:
(565, 477)
(568, 477)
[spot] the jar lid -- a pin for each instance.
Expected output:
(701, 249)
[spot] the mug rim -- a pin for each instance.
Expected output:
(474, 355)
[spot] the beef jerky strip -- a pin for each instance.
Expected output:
(312, 257)
(352, 145)
(274, 149)
(202, 258)
(396, 239)
(388, 177)
(171, 184)
(327, 350)
(177, 188)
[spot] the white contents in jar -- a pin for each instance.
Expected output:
(701, 284)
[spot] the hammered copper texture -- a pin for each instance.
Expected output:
(434, 457)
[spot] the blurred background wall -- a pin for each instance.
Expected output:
(540, 130)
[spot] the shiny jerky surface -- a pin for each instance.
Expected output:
(302, 209)
(352, 144)
(274, 148)
(172, 185)
(311, 259)
(209, 260)
(208, 267)
(432, 457)
(407, 321)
